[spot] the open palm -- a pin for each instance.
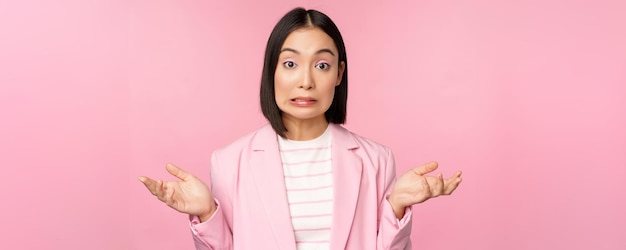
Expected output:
(415, 186)
(187, 195)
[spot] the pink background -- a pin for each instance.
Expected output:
(528, 98)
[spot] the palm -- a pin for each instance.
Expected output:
(415, 186)
(187, 195)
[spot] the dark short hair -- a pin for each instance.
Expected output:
(293, 20)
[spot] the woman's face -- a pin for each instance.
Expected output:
(306, 75)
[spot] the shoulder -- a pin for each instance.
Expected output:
(375, 157)
(226, 160)
(360, 142)
(247, 142)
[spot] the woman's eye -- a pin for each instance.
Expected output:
(289, 64)
(322, 66)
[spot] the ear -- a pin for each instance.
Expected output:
(342, 68)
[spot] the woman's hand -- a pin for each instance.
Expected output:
(415, 187)
(188, 195)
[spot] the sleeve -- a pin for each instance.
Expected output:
(216, 232)
(393, 234)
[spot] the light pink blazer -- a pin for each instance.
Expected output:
(253, 213)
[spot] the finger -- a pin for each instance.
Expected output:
(440, 184)
(450, 189)
(160, 190)
(436, 185)
(176, 171)
(168, 195)
(149, 183)
(426, 168)
(452, 184)
(458, 174)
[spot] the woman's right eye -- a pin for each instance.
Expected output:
(289, 64)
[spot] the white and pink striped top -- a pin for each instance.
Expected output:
(309, 182)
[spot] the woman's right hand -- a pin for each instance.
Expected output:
(188, 195)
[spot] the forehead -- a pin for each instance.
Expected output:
(309, 39)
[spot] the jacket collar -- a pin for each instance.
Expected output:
(266, 167)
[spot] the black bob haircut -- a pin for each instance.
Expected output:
(293, 20)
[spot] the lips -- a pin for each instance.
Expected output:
(303, 101)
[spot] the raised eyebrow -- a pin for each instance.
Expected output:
(290, 50)
(325, 51)
(318, 52)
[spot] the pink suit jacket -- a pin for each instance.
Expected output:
(248, 185)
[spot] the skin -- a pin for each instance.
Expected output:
(414, 187)
(307, 73)
(308, 66)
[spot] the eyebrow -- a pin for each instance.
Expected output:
(325, 50)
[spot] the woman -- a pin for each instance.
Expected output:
(303, 181)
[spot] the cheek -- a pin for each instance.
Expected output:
(279, 93)
(282, 79)
(330, 82)
(328, 93)
(279, 84)
(331, 93)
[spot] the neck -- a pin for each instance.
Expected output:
(302, 130)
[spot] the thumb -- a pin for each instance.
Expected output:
(177, 172)
(426, 168)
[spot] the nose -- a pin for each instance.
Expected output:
(307, 80)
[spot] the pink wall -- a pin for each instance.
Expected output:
(528, 98)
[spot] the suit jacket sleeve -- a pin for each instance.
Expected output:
(216, 233)
(393, 234)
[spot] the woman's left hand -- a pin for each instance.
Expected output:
(415, 186)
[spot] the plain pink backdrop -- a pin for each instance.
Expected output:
(528, 98)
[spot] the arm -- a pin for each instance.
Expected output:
(393, 233)
(215, 232)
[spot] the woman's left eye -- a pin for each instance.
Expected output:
(322, 66)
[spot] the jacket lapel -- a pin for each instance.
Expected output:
(347, 171)
(266, 167)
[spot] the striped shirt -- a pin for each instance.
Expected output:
(309, 181)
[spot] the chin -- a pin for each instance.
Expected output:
(303, 116)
